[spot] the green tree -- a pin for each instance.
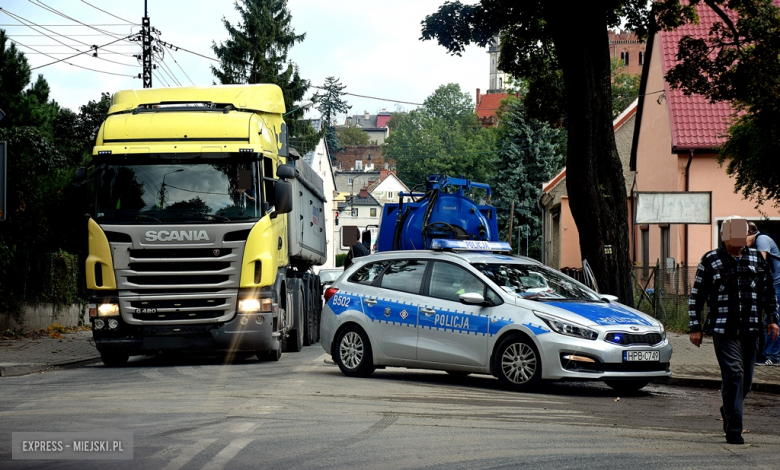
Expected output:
(739, 62)
(442, 136)
(351, 135)
(561, 48)
(330, 104)
(23, 106)
(625, 86)
(528, 155)
(256, 52)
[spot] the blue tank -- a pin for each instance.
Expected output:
(442, 211)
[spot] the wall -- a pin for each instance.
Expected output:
(41, 315)
(570, 238)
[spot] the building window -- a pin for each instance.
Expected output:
(349, 181)
(390, 195)
(645, 253)
(626, 59)
(354, 212)
(358, 165)
(665, 242)
(500, 83)
(641, 58)
(373, 212)
(622, 56)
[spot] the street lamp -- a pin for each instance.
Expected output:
(301, 105)
(162, 187)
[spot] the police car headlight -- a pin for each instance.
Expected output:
(567, 328)
(663, 331)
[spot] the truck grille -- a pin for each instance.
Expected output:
(178, 315)
(178, 266)
(177, 303)
(181, 253)
(176, 280)
(627, 339)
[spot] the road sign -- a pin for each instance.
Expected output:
(3, 178)
(673, 207)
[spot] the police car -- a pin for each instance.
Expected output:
(470, 307)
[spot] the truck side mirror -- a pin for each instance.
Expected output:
(284, 172)
(80, 174)
(283, 193)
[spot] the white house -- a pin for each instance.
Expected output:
(319, 160)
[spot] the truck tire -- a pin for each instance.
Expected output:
(295, 338)
(308, 314)
(272, 356)
(316, 302)
(114, 359)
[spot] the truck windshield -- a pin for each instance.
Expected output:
(223, 191)
(536, 282)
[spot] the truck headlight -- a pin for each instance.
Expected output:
(567, 328)
(249, 305)
(108, 310)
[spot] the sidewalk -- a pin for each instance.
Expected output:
(698, 367)
(27, 355)
(691, 366)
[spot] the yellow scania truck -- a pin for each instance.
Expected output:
(205, 226)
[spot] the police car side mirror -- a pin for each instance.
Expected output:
(471, 298)
(609, 298)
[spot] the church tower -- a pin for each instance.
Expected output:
(498, 78)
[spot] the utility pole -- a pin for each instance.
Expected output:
(146, 41)
(511, 223)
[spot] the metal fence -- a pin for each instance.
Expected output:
(663, 292)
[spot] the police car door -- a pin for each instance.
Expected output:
(392, 305)
(451, 332)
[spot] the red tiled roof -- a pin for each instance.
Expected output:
(487, 105)
(695, 122)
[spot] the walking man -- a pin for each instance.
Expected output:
(770, 356)
(734, 282)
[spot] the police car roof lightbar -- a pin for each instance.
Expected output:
(470, 245)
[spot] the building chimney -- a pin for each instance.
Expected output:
(383, 173)
(365, 115)
(364, 192)
(479, 98)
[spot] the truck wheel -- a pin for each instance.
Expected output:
(317, 299)
(113, 359)
(517, 364)
(295, 340)
(308, 337)
(353, 352)
(272, 356)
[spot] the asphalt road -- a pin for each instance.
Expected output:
(204, 413)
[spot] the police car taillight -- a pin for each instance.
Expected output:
(329, 292)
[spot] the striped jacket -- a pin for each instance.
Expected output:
(736, 292)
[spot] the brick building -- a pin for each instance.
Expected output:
(361, 158)
(626, 45)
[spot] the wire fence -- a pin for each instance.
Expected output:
(663, 292)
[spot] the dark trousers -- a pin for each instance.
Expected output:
(737, 358)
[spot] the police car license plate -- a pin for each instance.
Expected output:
(641, 356)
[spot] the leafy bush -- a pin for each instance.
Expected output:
(340, 260)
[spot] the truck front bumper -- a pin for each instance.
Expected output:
(245, 332)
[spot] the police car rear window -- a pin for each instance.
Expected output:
(368, 273)
(404, 276)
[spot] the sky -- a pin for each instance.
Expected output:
(372, 47)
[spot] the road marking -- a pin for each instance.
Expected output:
(226, 455)
(188, 453)
(243, 427)
(322, 358)
(153, 374)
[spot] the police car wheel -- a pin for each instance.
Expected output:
(517, 364)
(353, 353)
(458, 373)
(627, 385)
(112, 359)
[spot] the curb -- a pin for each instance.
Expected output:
(26, 369)
(715, 384)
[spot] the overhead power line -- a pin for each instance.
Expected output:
(42, 5)
(182, 70)
(64, 25)
(107, 13)
(74, 55)
(74, 65)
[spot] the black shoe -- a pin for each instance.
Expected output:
(725, 424)
(734, 438)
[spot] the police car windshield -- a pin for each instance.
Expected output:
(536, 282)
